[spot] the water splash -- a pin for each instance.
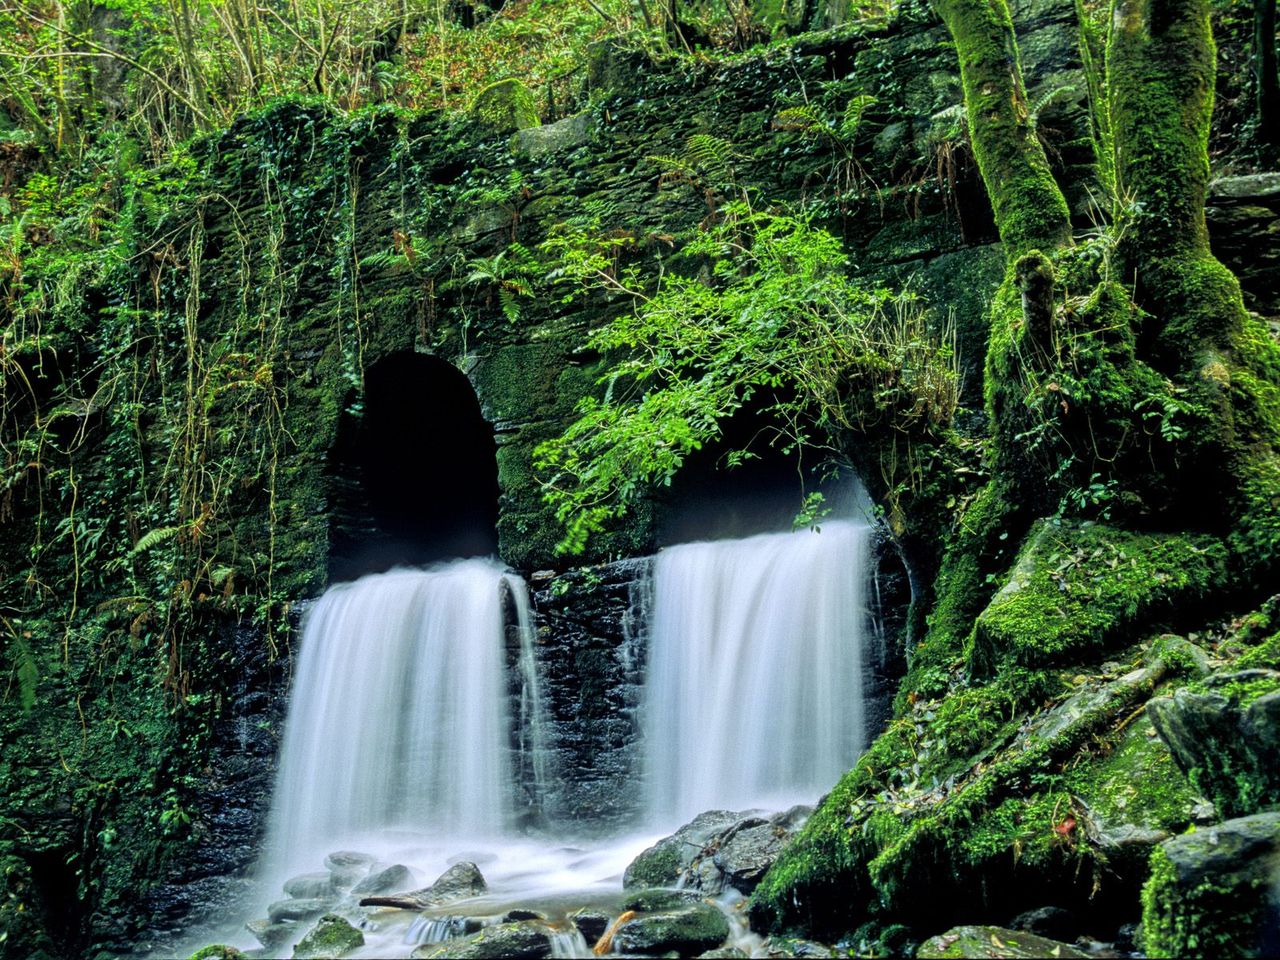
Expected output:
(753, 696)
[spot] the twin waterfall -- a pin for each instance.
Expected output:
(403, 717)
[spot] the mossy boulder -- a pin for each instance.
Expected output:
(505, 107)
(1076, 587)
(1211, 891)
(332, 937)
(662, 864)
(982, 943)
(1226, 739)
(525, 940)
(217, 951)
(688, 932)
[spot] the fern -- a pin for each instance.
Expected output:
(851, 121)
(25, 671)
(153, 538)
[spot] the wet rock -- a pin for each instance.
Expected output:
(514, 916)
(591, 923)
(311, 886)
(1210, 892)
(663, 863)
(748, 853)
(217, 951)
(723, 953)
(517, 941)
(460, 881)
(331, 938)
(270, 935)
(1052, 922)
(346, 867)
(293, 911)
(718, 849)
(382, 881)
(795, 947)
(651, 901)
(981, 943)
(688, 932)
(349, 860)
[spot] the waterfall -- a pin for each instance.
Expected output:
(754, 689)
(399, 718)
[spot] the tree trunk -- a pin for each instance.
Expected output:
(1267, 91)
(1030, 210)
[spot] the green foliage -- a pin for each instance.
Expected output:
(772, 317)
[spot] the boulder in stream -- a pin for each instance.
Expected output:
(460, 881)
(311, 886)
(269, 934)
(331, 938)
(382, 881)
(293, 911)
(346, 867)
(688, 932)
(525, 940)
(990, 943)
(716, 850)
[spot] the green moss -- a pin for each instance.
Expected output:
(217, 951)
(1030, 210)
(505, 107)
(1135, 781)
(1076, 588)
(1218, 916)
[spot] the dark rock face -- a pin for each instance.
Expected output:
(232, 800)
(590, 655)
(1243, 214)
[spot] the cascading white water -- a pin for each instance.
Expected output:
(753, 695)
(399, 715)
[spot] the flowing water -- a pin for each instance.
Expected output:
(754, 691)
(399, 714)
(411, 725)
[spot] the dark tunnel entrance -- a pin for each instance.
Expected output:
(415, 471)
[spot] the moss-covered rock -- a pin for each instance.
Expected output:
(687, 931)
(1076, 588)
(217, 951)
(1226, 738)
(1211, 891)
(525, 940)
(988, 943)
(505, 107)
(331, 938)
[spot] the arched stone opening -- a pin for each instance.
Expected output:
(414, 470)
